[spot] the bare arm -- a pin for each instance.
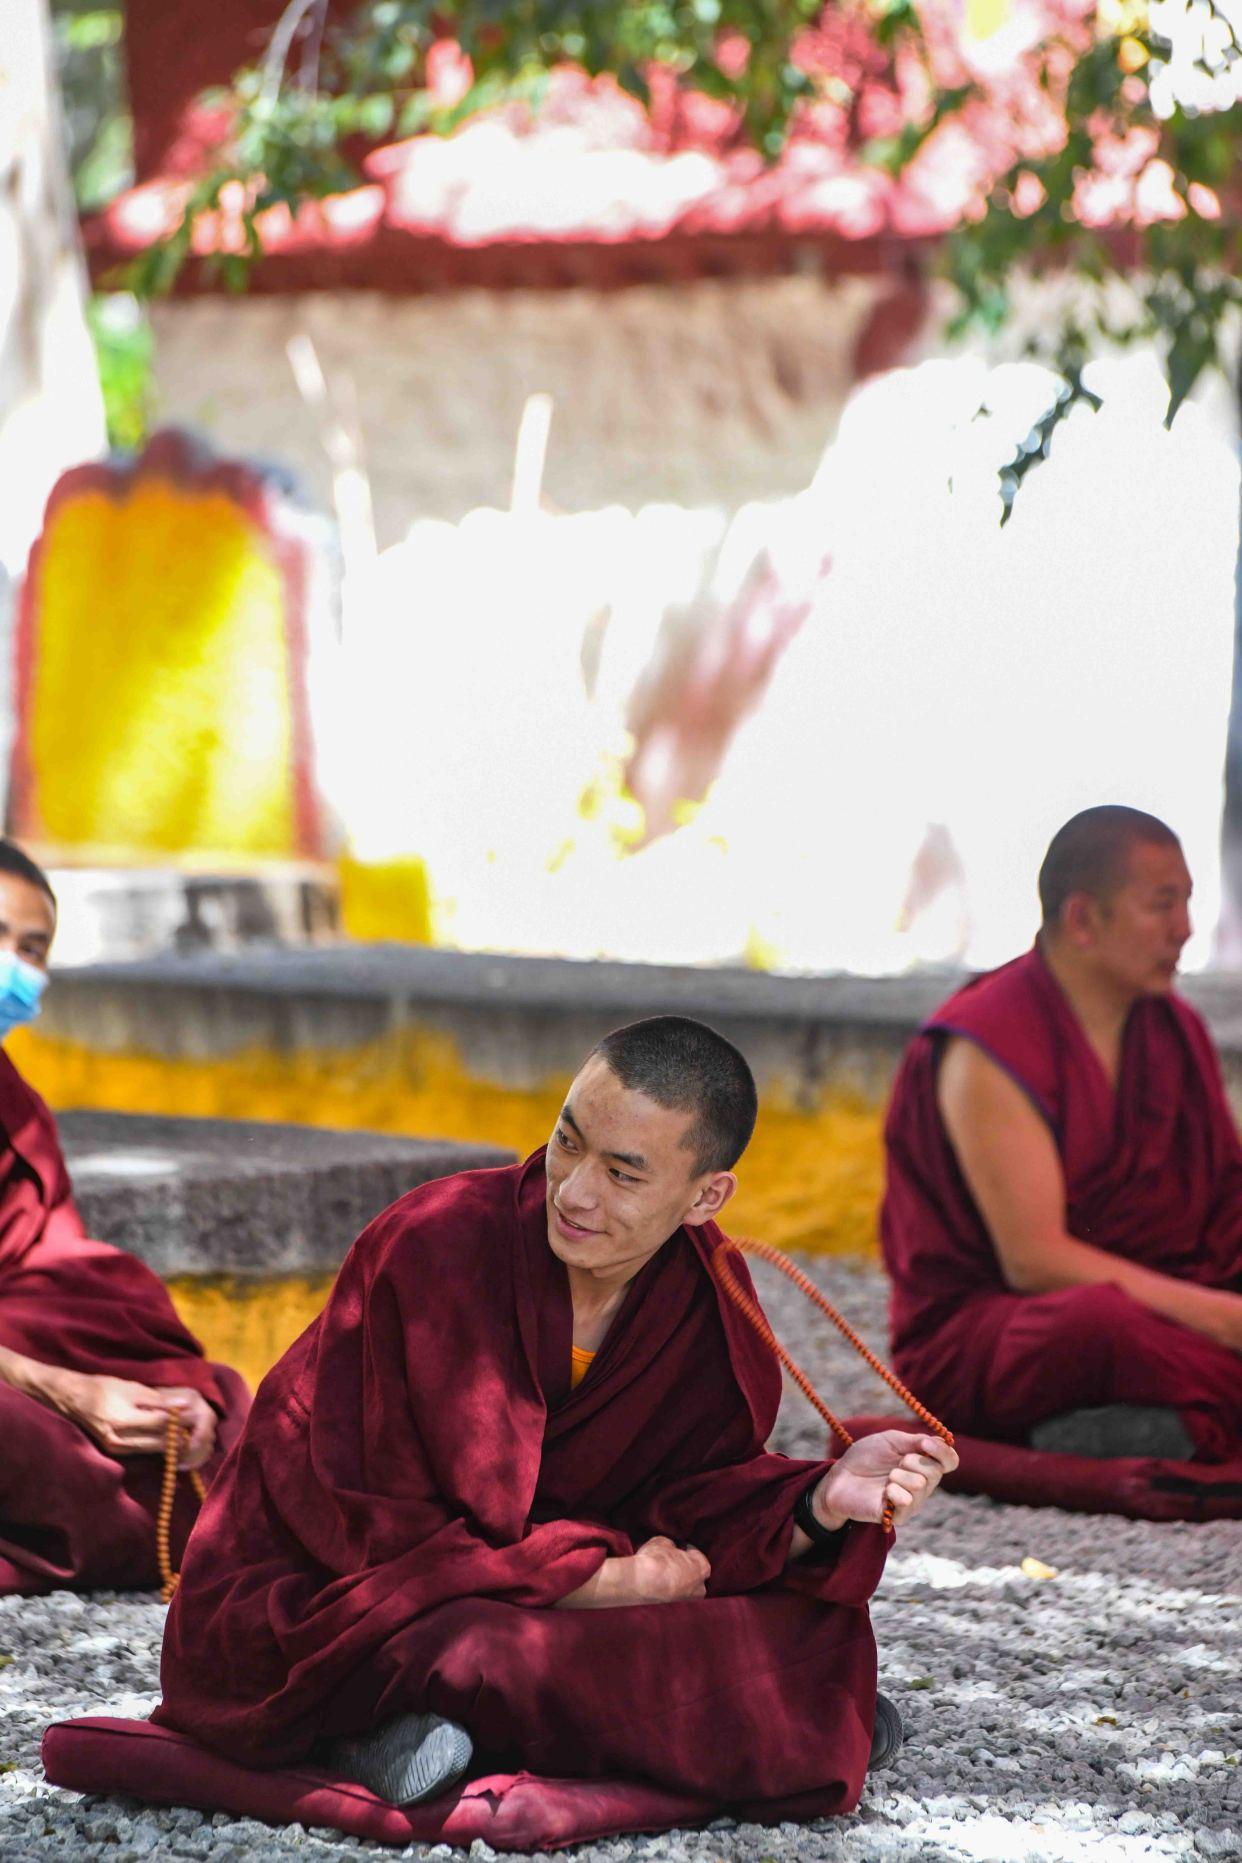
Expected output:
(125, 1418)
(1009, 1160)
(28, 1376)
(660, 1572)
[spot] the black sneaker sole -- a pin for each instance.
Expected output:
(889, 1735)
(410, 1758)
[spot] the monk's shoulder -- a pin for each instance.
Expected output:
(29, 1125)
(467, 1216)
(1009, 993)
(1011, 1016)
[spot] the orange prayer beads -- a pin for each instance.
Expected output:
(168, 1496)
(755, 1314)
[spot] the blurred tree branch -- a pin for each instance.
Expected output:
(1116, 165)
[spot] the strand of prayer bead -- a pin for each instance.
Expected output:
(168, 1496)
(758, 1319)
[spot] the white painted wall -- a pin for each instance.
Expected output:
(956, 692)
(708, 394)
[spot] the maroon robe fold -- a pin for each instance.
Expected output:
(417, 1486)
(71, 1515)
(1153, 1174)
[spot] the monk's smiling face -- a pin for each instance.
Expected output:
(1135, 936)
(621, 1178)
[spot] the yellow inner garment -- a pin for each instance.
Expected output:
(578, 1364)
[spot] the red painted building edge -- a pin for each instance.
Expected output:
(404, 264)
(593, 192)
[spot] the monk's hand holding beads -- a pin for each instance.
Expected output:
(198, 1422)
(894, 1466)
(125, 1418)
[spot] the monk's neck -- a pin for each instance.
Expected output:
(595, 1306)
(1100, 1005)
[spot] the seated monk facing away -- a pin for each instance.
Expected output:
(510, 1493)
(93, 1359)
(1063, 1215)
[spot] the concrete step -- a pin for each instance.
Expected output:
(220, 1197)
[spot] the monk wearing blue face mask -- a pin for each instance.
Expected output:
(93, 1359)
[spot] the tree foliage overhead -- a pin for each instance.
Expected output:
(1134, 198)
(332, 83)
(1101, 140)
(90, 66)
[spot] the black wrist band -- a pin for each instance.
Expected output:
(804, 1517)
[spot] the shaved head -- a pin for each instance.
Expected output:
(14, 860)
(1091, 855)
(687, 1067)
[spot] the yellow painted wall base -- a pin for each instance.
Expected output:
(810, 1180)
(248, 1323)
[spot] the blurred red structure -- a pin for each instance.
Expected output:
(594, 190)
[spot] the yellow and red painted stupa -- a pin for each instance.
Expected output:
(163, 663)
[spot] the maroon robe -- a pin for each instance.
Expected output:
(417, 1487)
(70, 1514)
(1153, 1174)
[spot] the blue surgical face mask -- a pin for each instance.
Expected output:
(21, 987)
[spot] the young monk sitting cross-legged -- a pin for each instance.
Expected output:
(1063, 1216)
(510, 1491)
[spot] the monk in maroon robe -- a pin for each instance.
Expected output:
(510, 1490)
(1063, 1215)
(93, 1359)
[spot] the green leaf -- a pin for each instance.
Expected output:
(89, 32)
(375, 115)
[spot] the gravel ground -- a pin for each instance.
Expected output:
(1092, 1714)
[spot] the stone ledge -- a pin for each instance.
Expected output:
(519, 1021)
(400, 975)
(224, 1197)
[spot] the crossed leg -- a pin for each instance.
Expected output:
(749, 1699)
(1085, 1347)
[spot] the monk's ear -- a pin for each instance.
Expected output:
(713, 1193)
(1079, 919)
